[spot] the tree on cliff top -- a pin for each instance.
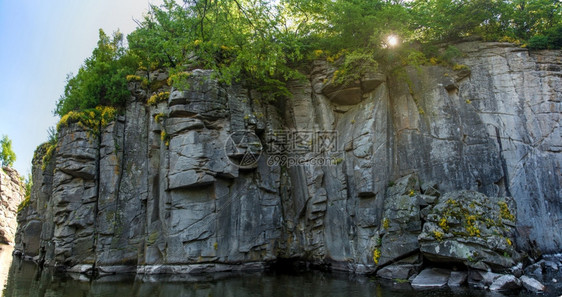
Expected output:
(102, 78)
(7, 155)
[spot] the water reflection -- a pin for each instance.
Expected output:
(5, 263)
(26, 280)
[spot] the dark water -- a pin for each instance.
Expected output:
(25, 279)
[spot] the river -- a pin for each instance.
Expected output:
(22, 279)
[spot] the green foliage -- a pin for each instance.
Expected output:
(179, 80)
(495, 20)
(444, 20)
(554, 35)
(24, 203)
(538, 42)
(7, 155)
(50, 150)
(250, 39)
(28, 183)
(102, 80)
(450, 53)
(552, 39)
(532, 17)
(264, 43)
(356, 64)
(50, 147)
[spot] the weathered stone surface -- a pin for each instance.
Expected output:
(204, 97)
(431, 278)
(472, 228)
(11, 195)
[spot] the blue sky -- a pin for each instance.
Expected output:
(40, 43)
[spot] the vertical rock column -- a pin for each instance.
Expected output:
(74, 198)
(35, 220)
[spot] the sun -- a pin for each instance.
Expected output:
(392, 40)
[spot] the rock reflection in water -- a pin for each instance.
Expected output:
(26, 279)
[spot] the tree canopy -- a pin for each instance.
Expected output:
(7, 155)
(266, 43)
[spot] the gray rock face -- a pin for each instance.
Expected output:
(11, 195)
(166, 188)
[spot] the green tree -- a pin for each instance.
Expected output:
(7, 155)
(253, 40)
(445, 20)
(533, 17)
(102, 78)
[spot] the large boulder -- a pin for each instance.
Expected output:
(471, 228)
(532, 284)
(431, 278)
(505, 283)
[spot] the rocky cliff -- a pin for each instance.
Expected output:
(356, 177)
(11, 195)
